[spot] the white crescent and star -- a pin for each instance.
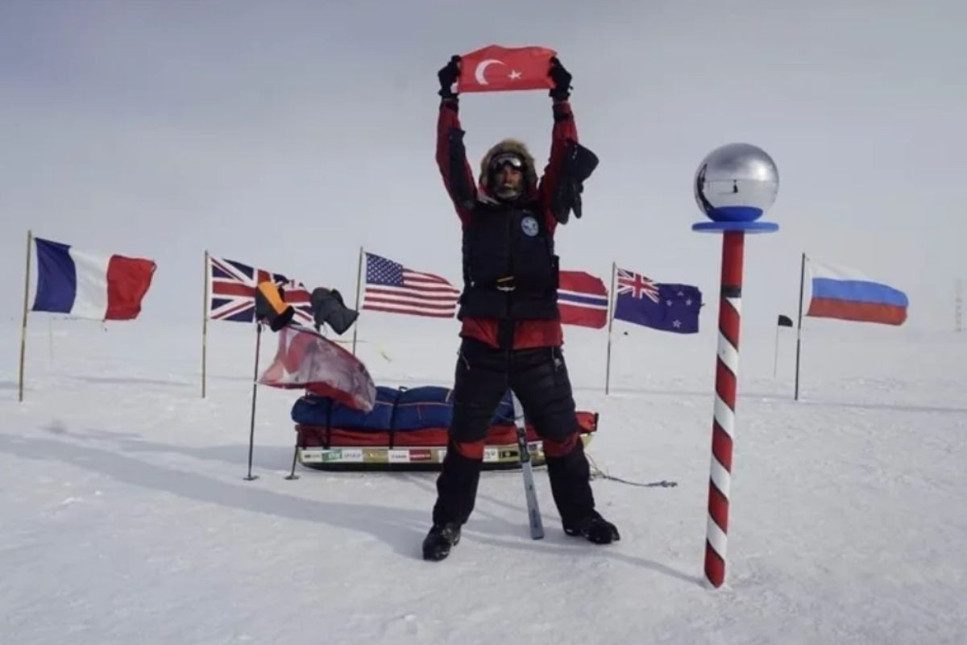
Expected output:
(479, 73)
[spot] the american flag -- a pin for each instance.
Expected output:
(637, 285)
(393, 288)
(231, 291)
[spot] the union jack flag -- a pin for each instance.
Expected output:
(637, 285)
(231, 291)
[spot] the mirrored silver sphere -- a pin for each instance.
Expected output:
(737, 182)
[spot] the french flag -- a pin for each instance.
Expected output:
(582, 299)
(844, 293)
(89, 285)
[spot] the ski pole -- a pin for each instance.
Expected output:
(527, 469)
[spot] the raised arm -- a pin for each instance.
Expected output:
(451, 155)
(570, 163)
(564, 129)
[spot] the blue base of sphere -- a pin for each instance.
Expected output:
(734, 214)
(748, 227)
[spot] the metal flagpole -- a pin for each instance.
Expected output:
(204, 327)
(802, 283)
(775, 354)
(359, 274)
(23, 329)
(958, 305)
(607, 376)
(255, 384)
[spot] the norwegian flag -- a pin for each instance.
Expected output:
(231, 291)
(582, 299)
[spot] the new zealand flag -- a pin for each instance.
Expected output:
(668, 307)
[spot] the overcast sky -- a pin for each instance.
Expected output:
(289, 134)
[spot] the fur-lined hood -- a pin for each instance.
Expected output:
(517, 147)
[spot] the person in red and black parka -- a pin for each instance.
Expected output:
(511, 330)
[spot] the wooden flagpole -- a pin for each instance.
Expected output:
(204, 328)
(607, 377)
(23, 328)
(802, 282)
(359, 275)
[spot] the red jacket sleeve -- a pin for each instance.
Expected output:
(564, 129)
(451, 159)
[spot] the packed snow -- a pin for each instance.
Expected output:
(127, 516)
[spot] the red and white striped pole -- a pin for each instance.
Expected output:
(734, 186)
(723, 423)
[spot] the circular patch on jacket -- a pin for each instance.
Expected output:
(529, 226)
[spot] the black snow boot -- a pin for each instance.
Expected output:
(593, 528)
(456, 488)
(439, 541)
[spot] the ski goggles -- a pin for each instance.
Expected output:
(511, 159)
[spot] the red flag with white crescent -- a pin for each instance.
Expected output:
(498, 69)
(306, 359)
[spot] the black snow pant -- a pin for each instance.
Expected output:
(539, 379)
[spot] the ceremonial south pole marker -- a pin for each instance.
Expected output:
(734, 186)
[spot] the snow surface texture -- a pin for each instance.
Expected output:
(126, 518)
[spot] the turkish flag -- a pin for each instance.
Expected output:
(307, 359)
(497, 69)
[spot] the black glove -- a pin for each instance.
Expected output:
(328, 308)
(562, 81)
(448, 75)
(576, 166)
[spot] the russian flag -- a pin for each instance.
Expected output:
(844, 293)
(582, 299)
(88, 285)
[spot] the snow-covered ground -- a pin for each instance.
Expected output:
(126, 518)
